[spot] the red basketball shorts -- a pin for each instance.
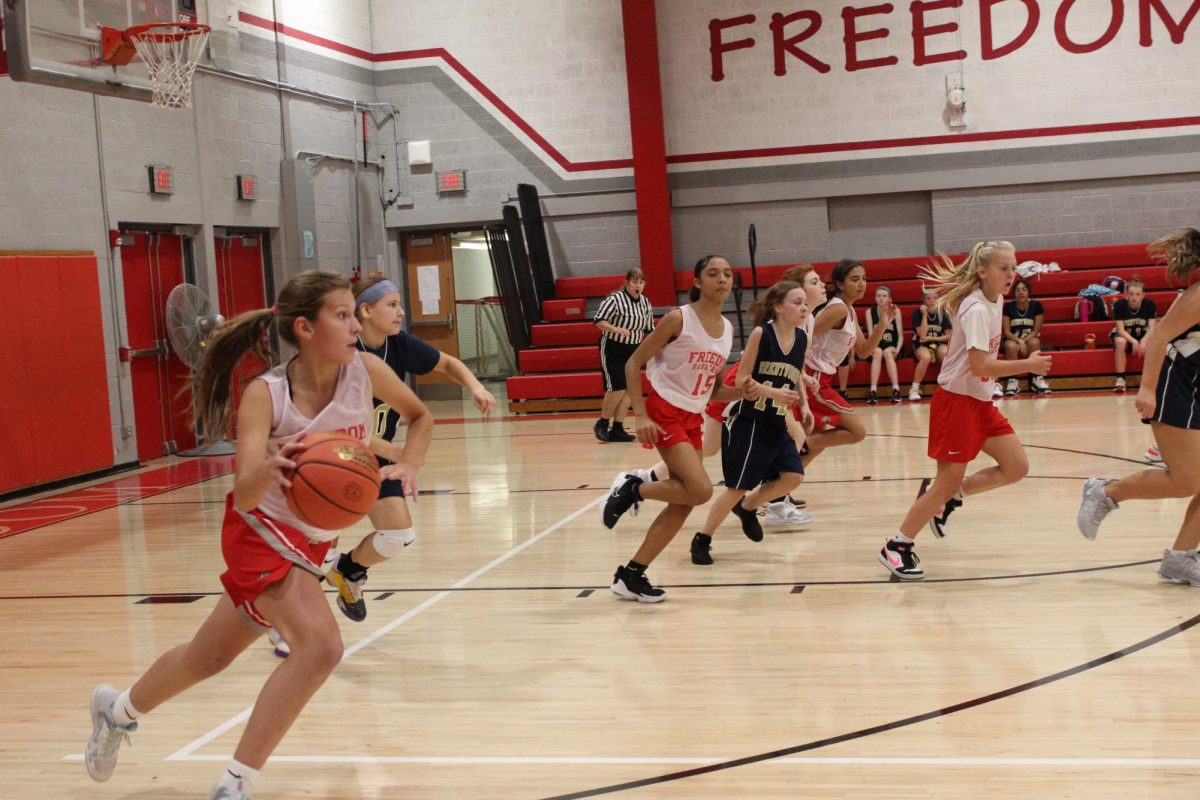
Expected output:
(259, 552)
(959, 425)
(678, 425)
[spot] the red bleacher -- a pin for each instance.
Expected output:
(564, 361)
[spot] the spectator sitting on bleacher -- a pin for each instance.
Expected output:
(1134, 315)
(931, 331)
(1023, 318)
(889, 346)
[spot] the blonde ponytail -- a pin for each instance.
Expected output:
(1180, 251)
(953, 282)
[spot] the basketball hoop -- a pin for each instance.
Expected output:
(170, 51)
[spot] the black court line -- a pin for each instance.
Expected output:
(585, 593)
(552, 588)
(887, 726)
(157, 599)
(384, 596)
(1138, 461)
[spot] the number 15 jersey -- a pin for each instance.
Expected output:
(684, 372)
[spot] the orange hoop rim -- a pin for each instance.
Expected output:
(165, 31)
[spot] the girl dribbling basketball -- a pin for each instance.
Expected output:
(962, 418)
(273, 559)
(686, 354)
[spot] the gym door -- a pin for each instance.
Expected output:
(241, 287)
(152, 265)
(430, 274)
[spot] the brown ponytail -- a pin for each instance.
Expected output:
(1180, 251)
(763, 308)
(301, 296)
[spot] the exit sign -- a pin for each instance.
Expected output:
(162, 179)
(247, 187)
(455, 181)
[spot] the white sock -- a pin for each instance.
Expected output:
(124, 714)
(238, 773)
(959, 496)
(900, 538)
(331, 558)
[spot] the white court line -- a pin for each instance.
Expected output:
(185, 752)
(651, 760)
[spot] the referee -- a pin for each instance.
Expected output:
(624, 318)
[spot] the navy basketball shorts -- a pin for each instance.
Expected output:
(390, 488)
(753, 451)
(1178, 394)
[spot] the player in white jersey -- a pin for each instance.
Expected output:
(686, 353)
(273, 559)
(835, 334)
(962, 419)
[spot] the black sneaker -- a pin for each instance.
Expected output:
(702, 549)
(349, 594)
(896, 396)
(630, 585)
(872, 398)
(797, 503)
(750, 524)
(901, 561)
(938, 523)
(617, 433)
(622, 497)
(601, 430)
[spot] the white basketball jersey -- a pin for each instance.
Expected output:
(348, 412)
(683, 373)
(977, 326)
(829, 349)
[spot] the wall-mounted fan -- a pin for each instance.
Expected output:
(191, 324)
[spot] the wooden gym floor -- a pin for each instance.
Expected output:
(494, 662)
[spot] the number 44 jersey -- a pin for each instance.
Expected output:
(776, 368)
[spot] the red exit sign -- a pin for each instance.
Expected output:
(455, 181)
(247, 187)
(162, 179)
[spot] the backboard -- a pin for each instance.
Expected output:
(57, 42)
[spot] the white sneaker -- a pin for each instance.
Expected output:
(281, 647)
(784, 513)
(1119, 386)
(1040, 385)
(644, 474)
(914, 394)
(997, 392)
(1095, 506)
(223, 791)
(100, 757)
(1180, 567)
(1012, 388)
(1153, 455)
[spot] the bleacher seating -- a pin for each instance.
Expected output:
(561, 370)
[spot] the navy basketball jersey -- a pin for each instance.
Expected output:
(1187, 346)
(777, 369)
(404, 353)
(936, 323)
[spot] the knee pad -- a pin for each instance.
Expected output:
(390, 543)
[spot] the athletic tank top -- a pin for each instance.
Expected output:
(1187, 345)
(348, 412)
(828, 349)
(683, 372)
(778, 369)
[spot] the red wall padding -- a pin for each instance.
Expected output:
(54, 415)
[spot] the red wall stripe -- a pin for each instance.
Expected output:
(719, 155)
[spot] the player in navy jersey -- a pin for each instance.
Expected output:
(1134, 317)
(758, 440)
(380, 312)
(1168, 399)
(1023, 318)
(931, 334)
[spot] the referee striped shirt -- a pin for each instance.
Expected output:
(622, 311)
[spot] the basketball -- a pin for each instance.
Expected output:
(335, 483)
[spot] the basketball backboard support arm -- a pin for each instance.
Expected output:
(23, 66)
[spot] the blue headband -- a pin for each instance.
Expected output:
(374, 293)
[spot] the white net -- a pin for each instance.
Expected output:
(483, 342)
(170, 52)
